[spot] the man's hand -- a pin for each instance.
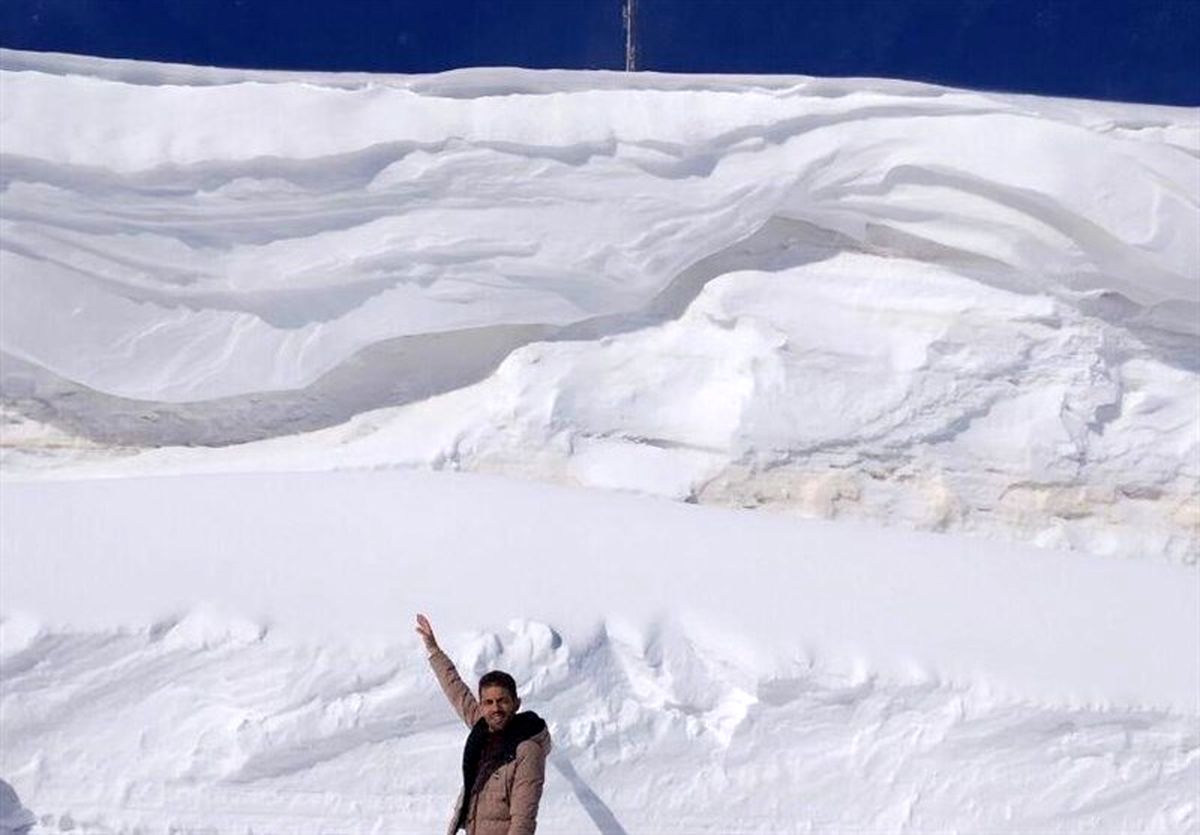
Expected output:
(426, 633)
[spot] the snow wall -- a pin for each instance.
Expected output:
(891, 301)
(868, 302)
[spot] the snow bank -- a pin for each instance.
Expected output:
(224, 227)
(353, 553)
(245, 662)
(877, 300)
(861, 300)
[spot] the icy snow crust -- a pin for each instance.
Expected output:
(858, 300)
(937, 308)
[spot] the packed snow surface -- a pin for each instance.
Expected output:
(245, 662)
(245, 317)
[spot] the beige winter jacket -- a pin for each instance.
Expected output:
(508, 803)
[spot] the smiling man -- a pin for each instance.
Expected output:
(504, 759)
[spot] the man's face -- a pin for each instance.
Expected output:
(498, 706)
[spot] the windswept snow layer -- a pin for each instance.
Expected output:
(250, 237)
(859, 299)
(938, 308)
(244, 663)
(654, 735)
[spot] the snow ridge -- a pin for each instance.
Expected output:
(231, 727)
(245, 317)
(935, 308)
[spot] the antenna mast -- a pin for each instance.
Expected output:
(629, 12)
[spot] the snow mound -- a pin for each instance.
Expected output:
(860, 300)
(218, 249)
(315, 556)
(206, 627)
(358, 739)
(936, 308)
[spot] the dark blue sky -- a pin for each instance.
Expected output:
(1129, 50)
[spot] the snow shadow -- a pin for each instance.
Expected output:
(389, 373)
(15, 819)
(602, 816)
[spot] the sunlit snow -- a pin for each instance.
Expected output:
(288, 358)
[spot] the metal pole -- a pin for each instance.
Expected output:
(630, 15)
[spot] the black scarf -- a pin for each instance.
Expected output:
(521, 727)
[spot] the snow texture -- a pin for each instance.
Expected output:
(244, 662)
(252, 323)
(936, 308)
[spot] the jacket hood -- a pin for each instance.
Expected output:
(523, 726)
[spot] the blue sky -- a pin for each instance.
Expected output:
(1130, 50)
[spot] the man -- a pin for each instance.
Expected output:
(504, 760)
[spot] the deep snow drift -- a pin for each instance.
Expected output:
(942, 309)
(858, 300)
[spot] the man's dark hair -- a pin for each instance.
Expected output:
(499, 678)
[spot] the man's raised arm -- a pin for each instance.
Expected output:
(460, 696)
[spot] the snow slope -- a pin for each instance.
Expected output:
(246, 318)
(704, 670)
(928, 307)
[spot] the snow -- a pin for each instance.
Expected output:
(935, 308)
(716, 652)
(289, 357)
